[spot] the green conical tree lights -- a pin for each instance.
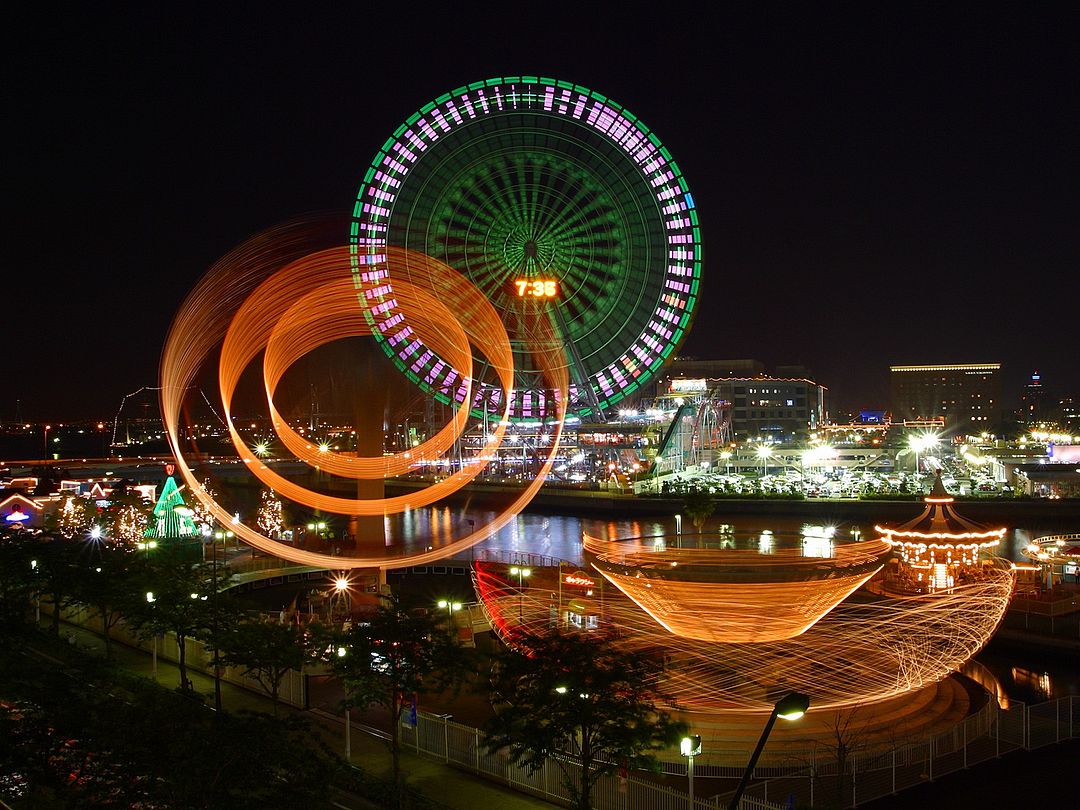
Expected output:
(170, 522)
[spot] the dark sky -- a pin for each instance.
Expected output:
(875, 186)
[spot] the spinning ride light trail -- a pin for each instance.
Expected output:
(527, 179)
(269, 295)
(736, 595)
(856, 654)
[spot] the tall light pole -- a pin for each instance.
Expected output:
(449, 607)
(790, 707)
(763, 452)
(521, 574)
(689, 747)
(47, 429)
(153, 640)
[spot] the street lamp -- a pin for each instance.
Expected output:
(47, 429)
(521, 574)
(763, 452)
(449, 607)
(689, 747)
(920, 443)
(153, 640)
(790, 707)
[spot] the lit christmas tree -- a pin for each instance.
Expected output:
(73, 518)
(129, 525)
(269, 518)
(170, 523)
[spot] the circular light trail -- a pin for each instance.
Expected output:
(527, 178)
(269, 296)
(861, 652)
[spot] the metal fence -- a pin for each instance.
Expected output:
(813, 778)
(463, 746)
(865, 776)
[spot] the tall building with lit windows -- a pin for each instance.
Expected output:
(966, 395)
(785, 406)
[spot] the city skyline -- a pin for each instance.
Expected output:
(873, 190)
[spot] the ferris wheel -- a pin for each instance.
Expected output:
(563, 208)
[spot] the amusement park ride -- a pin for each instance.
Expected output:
(527, 254)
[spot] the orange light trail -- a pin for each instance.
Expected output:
(269, 296)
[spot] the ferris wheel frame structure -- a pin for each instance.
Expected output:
(602, 202)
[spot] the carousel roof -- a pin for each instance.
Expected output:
(940, 521)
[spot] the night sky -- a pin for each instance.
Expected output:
(874, 187)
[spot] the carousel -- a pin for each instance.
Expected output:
(938, 549)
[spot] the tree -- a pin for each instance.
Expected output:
(106, 583)
(270, 518)
(847, 736)
(74, 518)
(698, 506)
(18, 578)
(56, 561)
(568, 692)
(390, 659)
(266, 651)
(172, 598)
(129, 524)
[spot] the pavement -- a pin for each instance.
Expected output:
(444, 785)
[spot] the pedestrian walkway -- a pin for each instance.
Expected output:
(442, 784)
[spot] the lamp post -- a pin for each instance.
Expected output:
(790, 707)
(763, 452)
(521, 574)
(47, 429)
(153, 641)
(689, 747)
(342, 595)
(449, 607)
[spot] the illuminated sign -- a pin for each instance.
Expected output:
(537, 288)
(18, 516)
(578, 578)
(688, 385)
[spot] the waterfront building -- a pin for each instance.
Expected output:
(966, 395)
(785, 406)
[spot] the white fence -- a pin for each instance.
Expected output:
(463, 746)
(812, 779)
(867, 776)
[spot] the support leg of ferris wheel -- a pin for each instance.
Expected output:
(577, 366)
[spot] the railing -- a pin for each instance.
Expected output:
(813, 778)
(507, 557)
(196, 654)
(463, 746)
(865, 776)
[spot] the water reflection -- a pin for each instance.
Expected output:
(560, 535)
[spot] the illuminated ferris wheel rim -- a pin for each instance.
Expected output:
(672, 311)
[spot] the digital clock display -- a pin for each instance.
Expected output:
(537, 288)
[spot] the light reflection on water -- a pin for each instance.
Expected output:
(559, 535)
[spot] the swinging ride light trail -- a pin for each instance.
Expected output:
(858, 653)
(256, 303)
(543, 194)
(735, 595)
